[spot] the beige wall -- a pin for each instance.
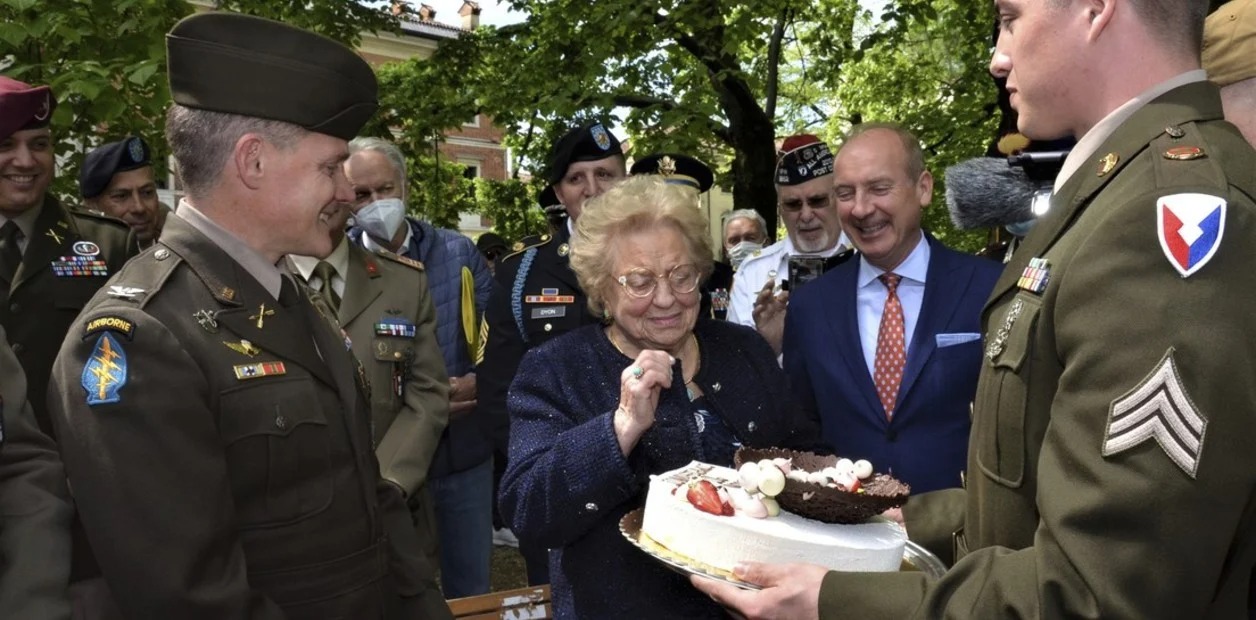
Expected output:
(716, 203)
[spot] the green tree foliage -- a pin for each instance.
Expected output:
(106, 61)
(720, 80)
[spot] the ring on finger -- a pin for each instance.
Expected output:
(636, 371)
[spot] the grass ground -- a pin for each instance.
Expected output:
(507, 571)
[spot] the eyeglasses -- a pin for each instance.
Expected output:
(682, 279)
(817, 202)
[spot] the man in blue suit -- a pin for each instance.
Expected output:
(886, 349)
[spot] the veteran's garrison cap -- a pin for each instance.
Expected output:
(1230, 42)
(238, 64)
(803, 157)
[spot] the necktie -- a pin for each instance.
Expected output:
(891, 353)
(10, 254)
(325, 271)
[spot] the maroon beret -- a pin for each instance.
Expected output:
(23, 107)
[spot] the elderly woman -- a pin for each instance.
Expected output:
(596, 411)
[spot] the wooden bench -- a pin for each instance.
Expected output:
(531, 603)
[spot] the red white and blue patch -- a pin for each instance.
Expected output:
(1190, 227)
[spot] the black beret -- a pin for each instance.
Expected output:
(107, 160)
(238, 64)
(803, 157)
(491, 241)
(676, 168)
(589, 142)
(23, 106)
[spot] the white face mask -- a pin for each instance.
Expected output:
(741, 251)
(381, 218)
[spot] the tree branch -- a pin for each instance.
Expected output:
(774, 62)
(632, 100)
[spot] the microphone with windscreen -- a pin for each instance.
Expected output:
(987, 192)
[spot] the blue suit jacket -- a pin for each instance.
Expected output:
(926, 442)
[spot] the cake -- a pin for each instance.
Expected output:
(703, 512)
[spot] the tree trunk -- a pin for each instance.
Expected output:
(754, 147)
(754, 186)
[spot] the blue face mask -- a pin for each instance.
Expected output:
(381, 219)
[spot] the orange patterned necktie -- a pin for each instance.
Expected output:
(891, 352)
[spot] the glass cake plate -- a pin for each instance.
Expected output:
(915, 557)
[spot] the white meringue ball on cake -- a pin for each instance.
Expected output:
(772, 481)
(749, 473)
(863, 469)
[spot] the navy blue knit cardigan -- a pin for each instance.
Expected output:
(567, 484)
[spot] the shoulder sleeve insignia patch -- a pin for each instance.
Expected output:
(1190, 227)
(1158, 408)
(105, 372)
(109, 323)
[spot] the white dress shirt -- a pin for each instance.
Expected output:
(870, 294)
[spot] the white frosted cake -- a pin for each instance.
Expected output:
(722, 540)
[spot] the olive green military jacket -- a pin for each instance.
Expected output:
(387, 311)
(34, 507)
(219, 448)
(1111, 471)
(69, 256)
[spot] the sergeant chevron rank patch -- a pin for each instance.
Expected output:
(1158, 408)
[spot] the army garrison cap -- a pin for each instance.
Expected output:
(109, 159)
(238, 64)
(1230, 42)
(803, 157)
(23, 106)
(676, 169)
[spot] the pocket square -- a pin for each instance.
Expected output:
(950, 340)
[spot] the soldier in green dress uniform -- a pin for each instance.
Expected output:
(34, 507)
(215, 427)
(1110, 470)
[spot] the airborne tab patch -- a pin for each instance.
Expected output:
(105, 372)
(1158, 408)
(109, 323)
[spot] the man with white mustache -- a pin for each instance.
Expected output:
(804, 190)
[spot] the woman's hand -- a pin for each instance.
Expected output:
(639, 387)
